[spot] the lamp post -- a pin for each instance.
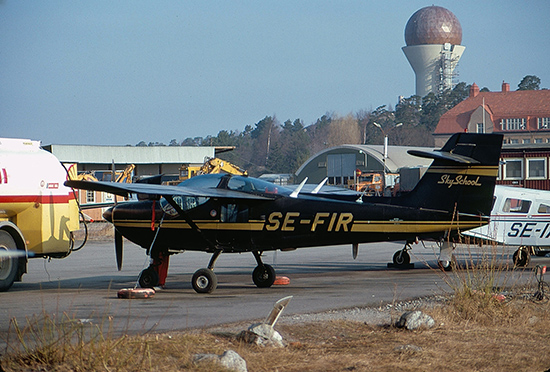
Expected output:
(385, 139)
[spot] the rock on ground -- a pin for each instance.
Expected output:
(229, 359)
(414, 320)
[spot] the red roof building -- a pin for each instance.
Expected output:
(522, 116)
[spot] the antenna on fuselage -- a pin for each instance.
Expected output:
(298, 189)
(318, 188)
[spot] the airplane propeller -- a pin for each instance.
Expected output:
(118, 249)
(118, 236)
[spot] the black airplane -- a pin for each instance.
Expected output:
(223, 213)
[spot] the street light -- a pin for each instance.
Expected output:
(385, 139)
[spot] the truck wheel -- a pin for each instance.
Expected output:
(8, 264)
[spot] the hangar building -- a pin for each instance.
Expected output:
(148, 161)
(340, 163)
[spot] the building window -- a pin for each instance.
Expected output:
(526, 141)
(536, 168)
(480, 128)
(513, 124)
(543, 123)
(90, 196)
(513, 169)
(514, 141)
(538, 140)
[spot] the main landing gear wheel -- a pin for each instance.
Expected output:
(401, 258)
(521, 257)
(8, 265)
(263, 276)
(204, 281)
(148, 278)
(445, 265)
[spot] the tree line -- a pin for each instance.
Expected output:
(270, 146)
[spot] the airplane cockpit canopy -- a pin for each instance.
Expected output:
(236, 183)
(220, 181)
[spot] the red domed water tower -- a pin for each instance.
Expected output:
(433, 36)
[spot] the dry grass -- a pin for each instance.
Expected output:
(472, 334)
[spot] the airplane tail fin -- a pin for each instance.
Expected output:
(462, 176)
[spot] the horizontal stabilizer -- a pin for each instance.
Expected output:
(461, 159)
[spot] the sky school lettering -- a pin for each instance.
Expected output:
(458, 180)
(322, 220)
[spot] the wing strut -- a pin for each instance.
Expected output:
(191, 223)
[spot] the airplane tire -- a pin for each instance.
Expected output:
(8, 265)
(521, 259)
(204, 281)
(263, 276)
(445, 265)
(401, 258)
(148, 278)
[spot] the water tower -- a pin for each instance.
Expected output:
(433, 36)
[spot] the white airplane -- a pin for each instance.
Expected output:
(519, 217)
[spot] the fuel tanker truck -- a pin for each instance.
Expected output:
(38, 214)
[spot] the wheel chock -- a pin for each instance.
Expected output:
(136, 293)
(281, 280)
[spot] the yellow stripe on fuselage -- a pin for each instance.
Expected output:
(356, 227)
(412, 226)
(473, 170)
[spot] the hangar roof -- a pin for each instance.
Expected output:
(397, 156)
(131, 154)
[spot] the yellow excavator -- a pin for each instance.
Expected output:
(120, 176)
(211, 165)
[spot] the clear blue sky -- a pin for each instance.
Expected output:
(118, 72)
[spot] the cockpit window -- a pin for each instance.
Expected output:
(238, 183)
(184, 202)
(247, 184)
(516, 206)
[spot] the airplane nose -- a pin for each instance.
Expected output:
(108, 214)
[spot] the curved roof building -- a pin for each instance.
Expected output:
(340, 162)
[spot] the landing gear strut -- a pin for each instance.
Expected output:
(263, 275)
(204, 280)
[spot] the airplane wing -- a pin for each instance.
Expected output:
(124, 189)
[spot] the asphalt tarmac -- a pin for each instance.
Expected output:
(84, 286)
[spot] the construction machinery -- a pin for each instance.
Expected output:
(373, 183)
(210, 166)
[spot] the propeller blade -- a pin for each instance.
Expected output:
(118, 249)
(354, 250)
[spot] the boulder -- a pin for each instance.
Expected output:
(414, 320)
(262, 335)
(229, 359)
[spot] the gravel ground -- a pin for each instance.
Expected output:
(381, 315)
(376, 316)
